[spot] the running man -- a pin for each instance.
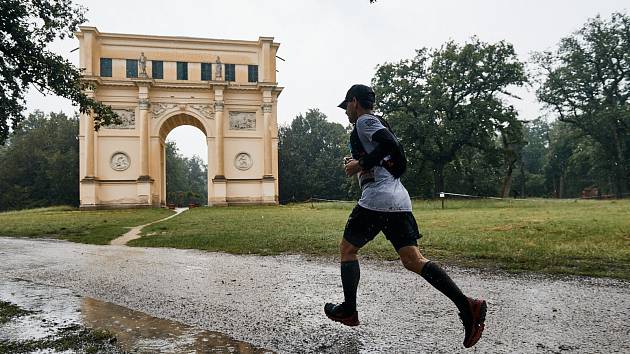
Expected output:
(385, 206)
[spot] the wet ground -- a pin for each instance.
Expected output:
(53, 309)
(276, 302)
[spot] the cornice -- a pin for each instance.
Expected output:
(143, 81)
(123, 83)
(170, 39)
(92, 79)
(205, 85)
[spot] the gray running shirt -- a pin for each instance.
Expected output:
(386, 193)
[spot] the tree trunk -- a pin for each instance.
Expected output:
(507, 181)
(611, 185)
(619, 181)
(523, 179)
(619, 168)
(438, 177)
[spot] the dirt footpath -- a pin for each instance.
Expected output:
(276, 302)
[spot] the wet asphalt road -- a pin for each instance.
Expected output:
(276, 302)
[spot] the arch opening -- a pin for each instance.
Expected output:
(184, 162)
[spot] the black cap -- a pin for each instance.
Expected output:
(363, 94)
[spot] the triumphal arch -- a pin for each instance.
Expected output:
(226, 88)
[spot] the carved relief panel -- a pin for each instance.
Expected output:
(128, 117)
(242, 121)
(158, 108)
(204, 110)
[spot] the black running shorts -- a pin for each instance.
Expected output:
(400, 228)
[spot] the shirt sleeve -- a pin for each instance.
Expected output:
(367, 126)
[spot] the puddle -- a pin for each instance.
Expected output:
(138, 331)
(56, 308)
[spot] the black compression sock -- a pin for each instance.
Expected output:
(437, 277)
(350, 275)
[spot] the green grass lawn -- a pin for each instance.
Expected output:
(552, 236)
(67, 223)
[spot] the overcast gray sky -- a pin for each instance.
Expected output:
(331, 44)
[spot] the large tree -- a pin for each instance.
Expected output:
(445, 99)
(586, 83)
(311, 152)
(27, 27)
(40, 163)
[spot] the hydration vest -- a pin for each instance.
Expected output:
(396, 165)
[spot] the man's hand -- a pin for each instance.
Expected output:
(352, 168)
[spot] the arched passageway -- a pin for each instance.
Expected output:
(184, 176)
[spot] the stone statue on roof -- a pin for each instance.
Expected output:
(143, 65)
(219, 69)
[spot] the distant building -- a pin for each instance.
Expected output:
(226, 88)
(591, 192)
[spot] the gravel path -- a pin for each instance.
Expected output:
(134, 232)
(276, 302)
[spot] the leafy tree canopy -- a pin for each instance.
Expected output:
(40, 163)
(586, 83)
(311, 152)
(451, 97)
(26, 29)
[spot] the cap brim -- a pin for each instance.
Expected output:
(343, 104)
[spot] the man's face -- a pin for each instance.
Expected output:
(351, 110)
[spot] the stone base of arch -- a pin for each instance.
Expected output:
(243, 191)
(117, 194)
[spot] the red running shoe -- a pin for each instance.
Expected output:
(474, 321)
(339, 313)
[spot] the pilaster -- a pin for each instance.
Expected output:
(267, 121)
(89, 183)
(143, 120)
(220, 126)
(143, 184)
(268, 180)
(219, 182)
(89, 139)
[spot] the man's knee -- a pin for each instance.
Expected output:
(411, 258)
(347, 250)
(410, 262)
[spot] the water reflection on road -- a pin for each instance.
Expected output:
(136, 332)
